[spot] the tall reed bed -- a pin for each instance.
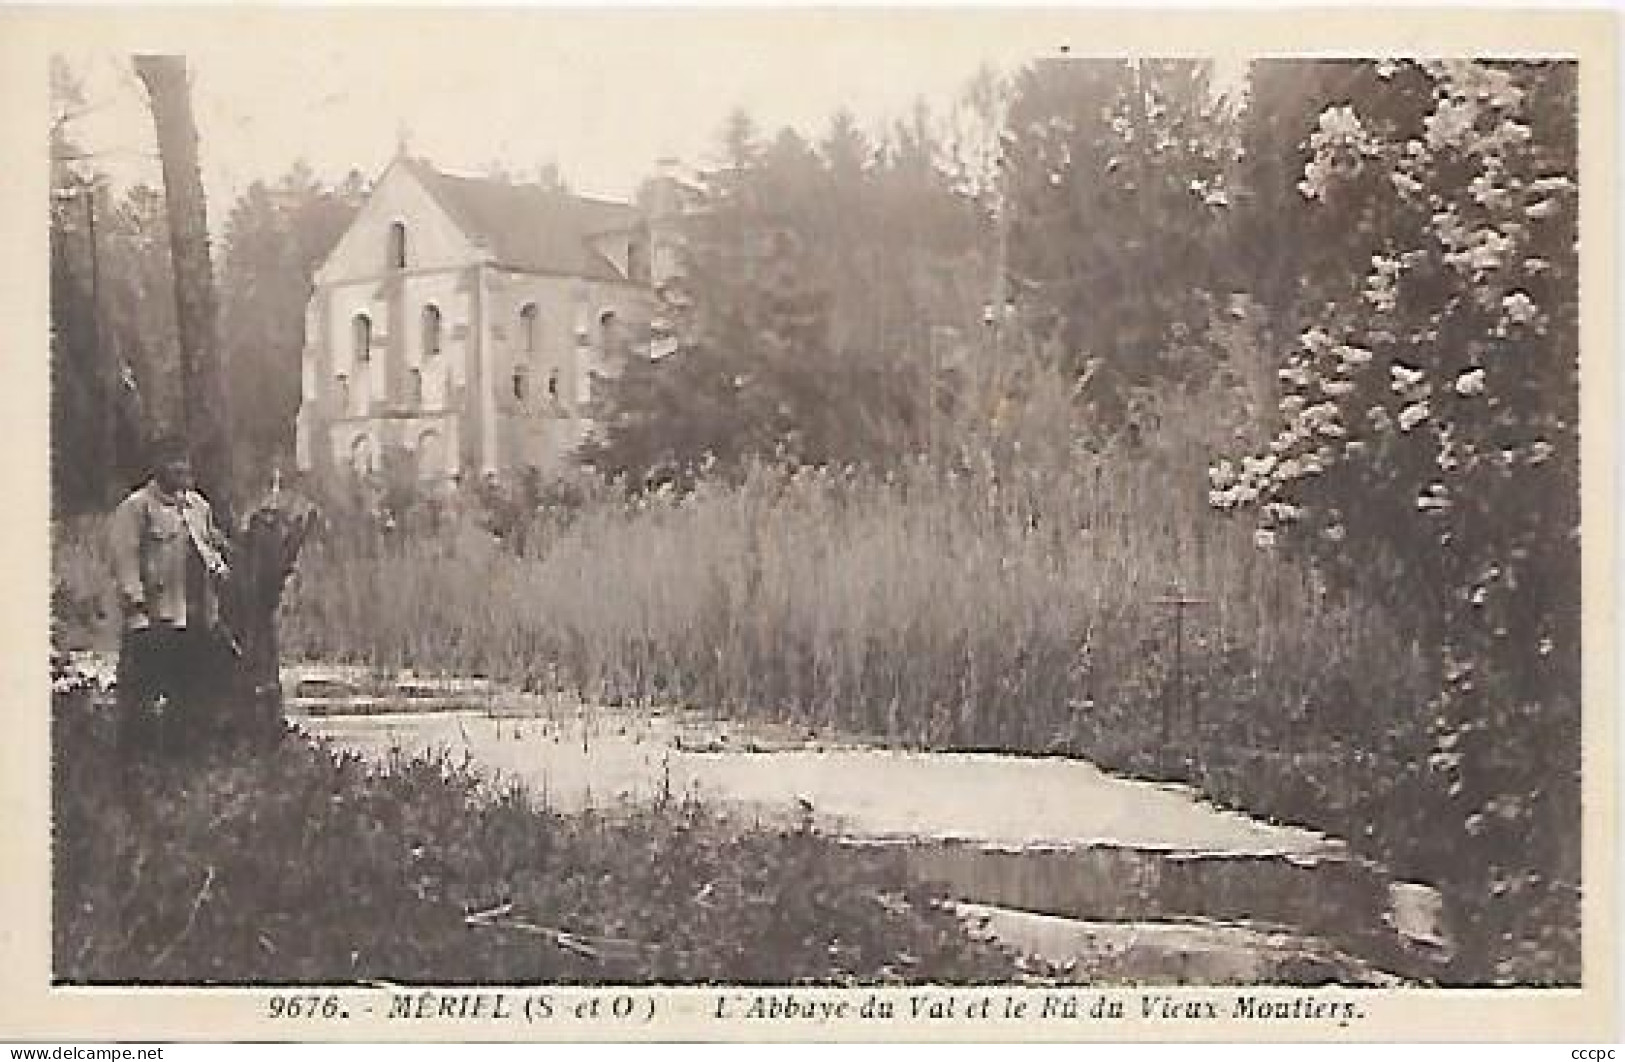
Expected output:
(1023, 611)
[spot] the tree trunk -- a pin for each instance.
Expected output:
(202, 394)
(266, 545)
(263, 555)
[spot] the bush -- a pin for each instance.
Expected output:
(1428, 449)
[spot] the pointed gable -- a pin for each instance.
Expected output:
(434, 239)
(452, 220)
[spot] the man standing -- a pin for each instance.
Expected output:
(169, 560)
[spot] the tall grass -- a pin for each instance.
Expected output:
(971, 608)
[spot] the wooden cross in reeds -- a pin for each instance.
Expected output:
(1179, 601)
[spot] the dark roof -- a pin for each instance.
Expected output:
(526, 226)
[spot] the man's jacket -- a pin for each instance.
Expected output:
(154, 537)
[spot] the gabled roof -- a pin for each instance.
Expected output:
(526, 226)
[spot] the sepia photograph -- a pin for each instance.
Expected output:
(769, 503)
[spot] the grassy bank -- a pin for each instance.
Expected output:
(305, 866)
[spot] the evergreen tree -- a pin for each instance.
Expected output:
(276, 237)
(785, 350)
(1115, 184)
(96, 416)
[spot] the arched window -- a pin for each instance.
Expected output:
(611, 338)
(417, 387)
(342, 384)
(428, 453)
(520, 382)
(553, 385)
(397, 245)
(361, 337)
(361, 456)
(431, 330)
(527, 327)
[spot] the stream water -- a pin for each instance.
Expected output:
(1053, 854)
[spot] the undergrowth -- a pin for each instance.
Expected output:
(303, 864)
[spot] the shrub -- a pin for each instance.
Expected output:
(1429, 450)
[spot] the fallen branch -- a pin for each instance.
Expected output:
(203, 894)
(597, 949)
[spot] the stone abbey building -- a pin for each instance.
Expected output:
(460, 323)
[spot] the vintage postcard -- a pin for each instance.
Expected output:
(850, 524)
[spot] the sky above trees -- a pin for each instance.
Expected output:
(603, 94)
